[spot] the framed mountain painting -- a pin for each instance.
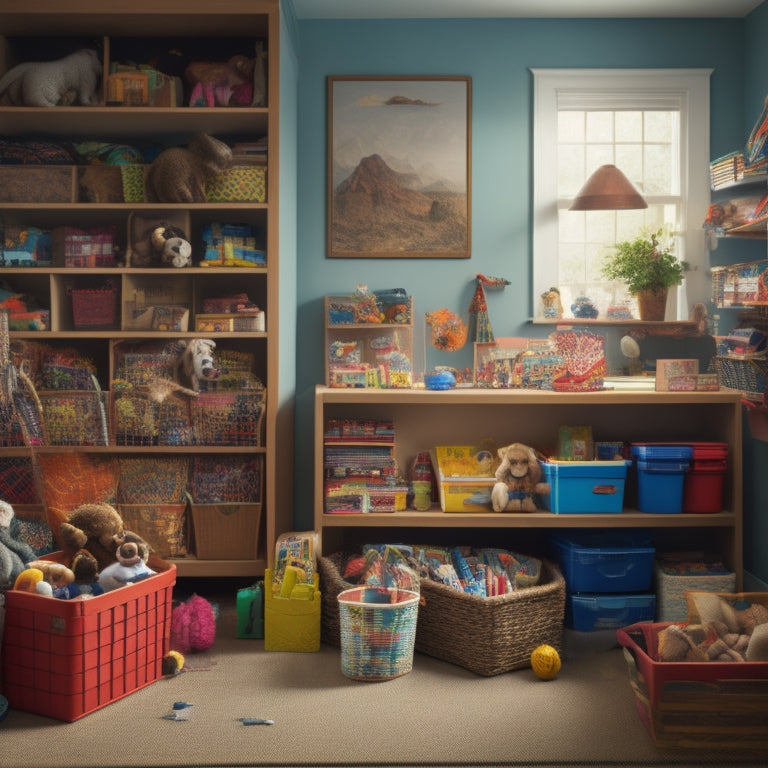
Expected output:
(399, 167)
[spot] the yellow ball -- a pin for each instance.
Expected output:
(545, 661)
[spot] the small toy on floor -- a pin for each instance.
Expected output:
(545, 662)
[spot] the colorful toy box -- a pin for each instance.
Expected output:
(465, 476)
(582, 487)
(67, 658)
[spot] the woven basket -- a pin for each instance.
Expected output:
(228, 418)
(747, 375)
(76, 417)
(378, 631)
(94, 307)
(487, 635)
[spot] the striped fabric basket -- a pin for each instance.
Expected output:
(378, 631)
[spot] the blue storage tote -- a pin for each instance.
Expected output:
(661, 472)
(584, 487)
(605, 562)
(590, 612)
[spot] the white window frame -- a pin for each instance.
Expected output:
(612, 88)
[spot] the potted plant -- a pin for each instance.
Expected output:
(648, 267)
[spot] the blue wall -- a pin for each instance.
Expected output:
(497, 54)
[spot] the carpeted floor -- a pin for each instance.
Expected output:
(437, 715)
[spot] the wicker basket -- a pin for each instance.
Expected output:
(228, 418)
(162, 526)
(76, 417)
(378, 630)
(226, 531)
(94, 307)
(748, 375)
(487, 635)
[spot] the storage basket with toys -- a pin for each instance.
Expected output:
(487, 635)
(64, 656)
(703, 684)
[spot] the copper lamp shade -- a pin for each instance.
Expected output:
(607, 189)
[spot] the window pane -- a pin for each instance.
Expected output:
(629, 158)
(599, 126)
(658, 169)
(570, 169)
(597, 155)
(629, 126)
(660, 126)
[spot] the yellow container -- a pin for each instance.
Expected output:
(466, 495)
(290, 624)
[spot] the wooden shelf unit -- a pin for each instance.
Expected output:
(424, 419)
(194, 25)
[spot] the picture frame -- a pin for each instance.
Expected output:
(399, 167)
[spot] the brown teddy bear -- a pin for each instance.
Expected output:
(92, 529)
(180, 174)
(518, 480)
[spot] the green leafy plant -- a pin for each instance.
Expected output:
(645, 263)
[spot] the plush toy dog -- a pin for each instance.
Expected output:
(180, 174)
(518, 480)
(69, 80)
(131, 566)
(171, 246)
(196, 364)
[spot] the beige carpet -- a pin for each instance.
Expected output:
(437, 715)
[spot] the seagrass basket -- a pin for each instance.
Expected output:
(486, 635)
(747, 374)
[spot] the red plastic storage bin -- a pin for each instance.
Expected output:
(67, 658)
(703, 486)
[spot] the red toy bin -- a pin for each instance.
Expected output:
(700, 705)
(703, 484)
(67, 658)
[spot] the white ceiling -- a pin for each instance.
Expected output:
(455, 9)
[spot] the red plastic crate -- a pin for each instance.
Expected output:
(67, 658)
(693, 704)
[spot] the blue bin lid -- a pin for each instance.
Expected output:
(662, 451)
(604, 541)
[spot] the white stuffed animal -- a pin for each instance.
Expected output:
(131, 565)
(69, 80)
(196, 363)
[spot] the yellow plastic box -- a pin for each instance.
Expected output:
(291, 625)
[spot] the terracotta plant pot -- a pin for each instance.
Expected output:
(652, 303)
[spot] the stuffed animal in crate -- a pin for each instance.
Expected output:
(14, 553)
(94, 531)
(171, 246)
(518, 480)
(69, 80)
(180, 174)
(131, 566)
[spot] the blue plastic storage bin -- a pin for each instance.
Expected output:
(584, 487)
(590, 613)
(661, 472)
(605, 562)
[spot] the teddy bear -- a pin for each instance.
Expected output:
(14, 553)
(518, 480)
(171, 246)
(180, 174)
(221, 83)
(69, 80)
(131, 566)
(95, 530)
